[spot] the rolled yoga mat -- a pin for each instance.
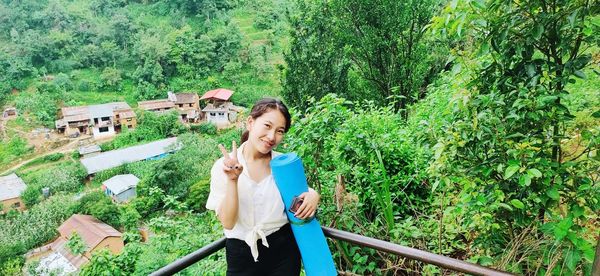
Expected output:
(289, 176)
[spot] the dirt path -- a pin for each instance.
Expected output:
(74, 144)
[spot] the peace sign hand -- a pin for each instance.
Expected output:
(231, 166)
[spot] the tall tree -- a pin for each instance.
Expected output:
(508, 144)
(315, 66)
(383, 41)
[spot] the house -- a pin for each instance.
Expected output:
(114, 158)
(99, 120)
(121, 188)
(89, 150)
(95, 235)
(11, 188)
(9, 113)
(186, 104)
(219, 110)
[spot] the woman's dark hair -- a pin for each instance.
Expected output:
(265, 105)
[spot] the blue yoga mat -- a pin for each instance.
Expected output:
(289, 176)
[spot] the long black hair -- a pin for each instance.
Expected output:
(265, 105)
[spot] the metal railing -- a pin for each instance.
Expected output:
(403, 251)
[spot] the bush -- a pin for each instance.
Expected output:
(34, 227)
(204, 128)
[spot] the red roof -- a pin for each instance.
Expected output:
(219, 94)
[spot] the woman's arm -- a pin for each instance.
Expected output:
(228, 210)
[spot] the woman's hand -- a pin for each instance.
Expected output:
(231, 166)
(309, 205)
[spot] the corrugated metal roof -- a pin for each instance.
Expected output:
(91, 230)
(89, 149)
(127, 114)
(186, 98)
(115, 158)
(11, 186)
(155, 104)
(219, 94)
(120, 183)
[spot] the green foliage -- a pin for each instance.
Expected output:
(198, 194)
(111, 79)
(151, 127)
(62, 177)
(76, 244)
(34, 227)
(100, 206)
(313, 45)
(177, 172)
(204, 128)
(13, 148)
(361, 50)
(382, 168)
(103, 262)
(503, 151)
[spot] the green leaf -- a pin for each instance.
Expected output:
(517, 203)
(535, 172)
(505, 206)
(579, 74)
(510, 170)
(596, 114)
(525, 180)
(562, 228)
(573, 257)
(530, 68)
(553, 193)
(537, 32)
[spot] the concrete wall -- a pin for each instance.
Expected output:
(110, 132)
(7, 204)
(114, 244)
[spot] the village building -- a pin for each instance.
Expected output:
(11, 188)
(89, 150)
(100, 120)
(219, 110)
(96, 235)
(186, 104)
(121, 188)
(114, 158)
(9, 113)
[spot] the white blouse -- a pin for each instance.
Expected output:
(260, 207)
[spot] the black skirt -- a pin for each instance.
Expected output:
(282, 257)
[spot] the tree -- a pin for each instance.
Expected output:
(360, 49)
(315, 66)
(505, 147)
(111, 78)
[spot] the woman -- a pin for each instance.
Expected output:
(247, 202)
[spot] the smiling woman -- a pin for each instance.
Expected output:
(247, 201)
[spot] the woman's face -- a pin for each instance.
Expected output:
(266, 131)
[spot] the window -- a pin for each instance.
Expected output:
(129, 126)
(105, 119)
(129, 119)
(191, 105)
(16, 205)
(221, 114)
(180, 105)
(213, 114)
(95, 120)
(103, 129)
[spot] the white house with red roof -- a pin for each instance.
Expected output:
(219, 109)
